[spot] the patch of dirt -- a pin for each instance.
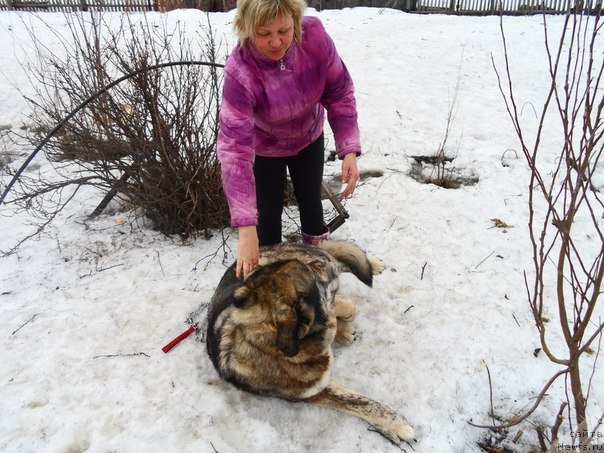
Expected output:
(508, 441)
(6, 156)
(439, 170)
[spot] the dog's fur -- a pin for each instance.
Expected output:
(272, 333)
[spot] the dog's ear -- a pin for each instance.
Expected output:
(312, 298)
(287, 337)
(306, 316)
(308, 312)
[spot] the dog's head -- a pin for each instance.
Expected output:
(287, 295)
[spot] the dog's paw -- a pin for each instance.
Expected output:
(345, 333)
(346, 311)
(398, 431)
(403, 430)
(344, 308)
(377, 265)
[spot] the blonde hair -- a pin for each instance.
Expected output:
(252, 14)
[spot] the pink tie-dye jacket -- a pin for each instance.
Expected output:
(276, 108)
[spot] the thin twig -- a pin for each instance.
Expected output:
(160, 265)
(593, 368)
(102, 269)
(421, 277)
(542, 438)
(558, 422)
(484, 260)
(492, 412)
(25, 323)
(134, 354)
(211, 256)
(595, 431)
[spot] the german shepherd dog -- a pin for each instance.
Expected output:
(271, 334)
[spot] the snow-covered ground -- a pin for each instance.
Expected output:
(86, 308)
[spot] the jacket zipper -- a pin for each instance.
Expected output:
(281, 65)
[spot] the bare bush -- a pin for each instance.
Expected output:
(151, 139)
(565, 213)
(438, 169)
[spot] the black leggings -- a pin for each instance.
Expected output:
(306, 173)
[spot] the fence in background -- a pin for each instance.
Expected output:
(421, 6)
(78, 5)
(508, 6)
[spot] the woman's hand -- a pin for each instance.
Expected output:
(248, 251)
(350, 174)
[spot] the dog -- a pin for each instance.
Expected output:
(271, 334)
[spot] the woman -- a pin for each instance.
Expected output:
(279, 79)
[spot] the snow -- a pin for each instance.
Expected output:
(87, 372)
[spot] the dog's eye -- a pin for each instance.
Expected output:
(304, 320)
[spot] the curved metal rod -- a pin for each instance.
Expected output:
(62, 123)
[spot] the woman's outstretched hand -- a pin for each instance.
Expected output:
(350, 174)
(248, 251)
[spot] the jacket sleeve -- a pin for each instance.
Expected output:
(235, 149)
(339, 101)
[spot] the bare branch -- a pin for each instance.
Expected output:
(519, 419)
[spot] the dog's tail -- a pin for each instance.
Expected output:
(353, 259)
(388, 423)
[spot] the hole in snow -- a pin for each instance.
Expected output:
(439, 170)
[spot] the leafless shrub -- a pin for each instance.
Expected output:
(565, 209)
(151, 139)
(438, 169)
